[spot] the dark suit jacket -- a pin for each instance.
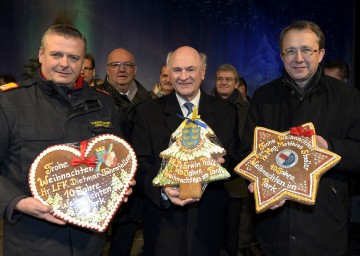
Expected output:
(196, 229)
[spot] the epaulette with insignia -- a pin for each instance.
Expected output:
(105, 92)
(9, 86)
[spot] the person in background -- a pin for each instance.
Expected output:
(304, 94)
(7, 78)
(164, 87)
(173, 226)
(337, 69)
(242, 87)
(126, 91)
(88, 71)
(340, 70)
(54, 107)
(227, 81)
(238, 209)
(127, 94)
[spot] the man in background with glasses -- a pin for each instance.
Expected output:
(127, 93)
(240, 209)
(88, 71)
(304, 94)
(120, 82)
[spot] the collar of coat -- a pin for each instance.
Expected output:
(302, 92)
(58, 91)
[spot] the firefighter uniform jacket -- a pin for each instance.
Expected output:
(35, 114)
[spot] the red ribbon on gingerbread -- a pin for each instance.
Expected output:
(91, 161)
(301, 131)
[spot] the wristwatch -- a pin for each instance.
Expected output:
(163, 195)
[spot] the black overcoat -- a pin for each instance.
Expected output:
(197, 228)
(334, 109)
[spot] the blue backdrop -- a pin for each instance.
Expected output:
(241, 32)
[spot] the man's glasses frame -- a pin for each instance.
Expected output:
(305, 52)
(227, 79)
(118, 65)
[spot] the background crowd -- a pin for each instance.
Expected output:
(223, 222)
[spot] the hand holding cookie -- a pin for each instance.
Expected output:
(83, 185)
(35, 208)
(173, 195)
(286, 166)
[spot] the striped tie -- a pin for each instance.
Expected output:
(189, 106)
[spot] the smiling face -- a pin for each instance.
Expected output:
(61, 59)
(226, 83)
(186, 72)
(165, 83)
(121, 76)
(300, 66)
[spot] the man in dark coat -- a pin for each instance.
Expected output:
(304, 94)
(164, 86)
(240, 210)
(54, 107)
(127, 93)
(173, 226)
(121, 84)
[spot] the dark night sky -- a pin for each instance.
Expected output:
(243, 32)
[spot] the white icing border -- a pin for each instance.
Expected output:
(75, 151)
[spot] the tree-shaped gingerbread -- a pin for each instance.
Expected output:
(191, 158)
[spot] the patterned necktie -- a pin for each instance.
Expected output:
(189, 106)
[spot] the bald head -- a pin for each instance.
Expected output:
(183, 53)
(121, 69)
(120, 53)
(187, 71)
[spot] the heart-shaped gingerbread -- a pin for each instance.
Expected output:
(84, 186)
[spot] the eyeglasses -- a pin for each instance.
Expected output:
(227, 79)
(88, 68)
(117, 65)
(305, 52)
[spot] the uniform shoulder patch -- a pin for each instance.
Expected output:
(9, 86)
(102, 91)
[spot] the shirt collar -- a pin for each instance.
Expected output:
(130, 94)
(194, 101)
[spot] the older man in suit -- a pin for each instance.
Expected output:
(173, 226)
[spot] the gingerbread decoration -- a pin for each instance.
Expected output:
(190, 159)
(85, 185)
(285, 166)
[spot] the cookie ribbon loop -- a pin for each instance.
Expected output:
(301, 131)
(192, 118)
(87, 161)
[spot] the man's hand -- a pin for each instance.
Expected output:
(129, 191)
(251, 187)
(173, 195)
(35, 208)
(282, 202)
(321, 142)
(220, 160)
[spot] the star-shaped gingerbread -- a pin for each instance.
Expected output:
(285, 165)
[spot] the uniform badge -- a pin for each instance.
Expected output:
(9, 86)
